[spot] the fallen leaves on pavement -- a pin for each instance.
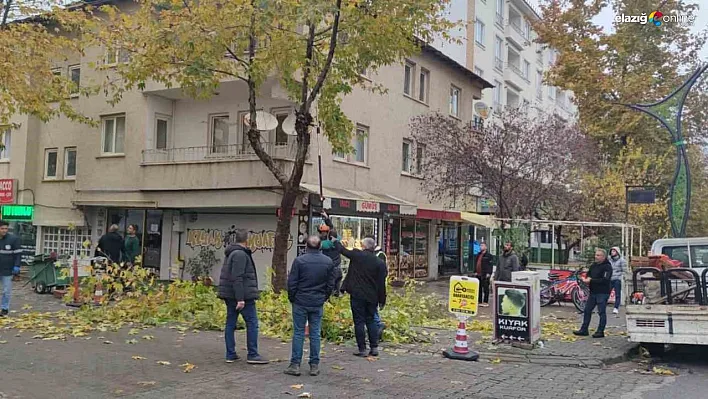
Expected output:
(108, 342)
(163, 363)
(495, 361)
(131, 341)
(305, 395)
(147, 383)
(337, 367)
(138, 358)
(297, 386)
(148, 337)
(187, 367)
(371, 358)
(662, 371)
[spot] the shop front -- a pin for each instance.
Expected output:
(476, 230)
(148, 223)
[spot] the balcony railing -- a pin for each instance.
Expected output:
(499, 19)
(216, 153)
(516, 69)
(499, 63)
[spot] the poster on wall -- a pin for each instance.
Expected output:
(215, 232)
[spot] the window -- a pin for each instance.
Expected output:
(479, 32)
(407, 165)
(527, 30)
(114, 56)
(360, 143)
(699, 255)
(75, 75)
(113, 134)
(423, 84)
(454, 101)
(219, 133)
(65, 241)
(526, 71)
(552, 92)
(679, 253)
(163, 125)
(50, 164)
(70, 163)
(499, 18)
(5, 143)
(56, 72)
(419, 158)
(281, 138)
(478, 72)
(497, 95)
(408, 73)
(539, 85)
(498, 49)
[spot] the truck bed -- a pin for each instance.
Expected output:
(668, 324)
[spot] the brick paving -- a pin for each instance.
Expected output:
(89, 368)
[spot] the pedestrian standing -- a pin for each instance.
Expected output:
(366, 283)
(327, 236)
(238, 287)
(310, 283)
(10, 261)
(483, 271)
(111, 245)
(508, 263)
(598, 278)
(619, 265)
(377, 318)
(132, 244)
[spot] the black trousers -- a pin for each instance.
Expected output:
(337, 280)
(363, 314)
(484, 288)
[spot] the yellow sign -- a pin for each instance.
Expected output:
(464, 295)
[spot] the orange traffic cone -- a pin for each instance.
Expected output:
(461, 350)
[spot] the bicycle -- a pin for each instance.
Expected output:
(556, 289)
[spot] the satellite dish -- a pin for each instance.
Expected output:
(264, 120)
(481, 109)
(289, 125)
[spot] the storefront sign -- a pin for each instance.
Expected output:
(8, 191)
(464, 295)
(258, 241)
(343, 205)
(439, 215)
(391, 209)
(409, 210)
(486, 205)
(511, 313)
(24, 213)
(368, 207)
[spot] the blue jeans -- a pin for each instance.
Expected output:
(363, 313)
(617, 286)
(6, 292)
(599, 300)
(313, 316)
(251, 317)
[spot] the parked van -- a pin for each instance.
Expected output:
(692, 252)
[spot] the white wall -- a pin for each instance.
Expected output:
(262, 228)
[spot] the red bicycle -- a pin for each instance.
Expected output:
(556, 289)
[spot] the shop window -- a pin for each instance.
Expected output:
(65, 241)
(413, 257)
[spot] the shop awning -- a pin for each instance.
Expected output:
(450, 216)
(361, 201)
(477, 219)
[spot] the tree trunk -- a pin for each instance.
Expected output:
(282, 238)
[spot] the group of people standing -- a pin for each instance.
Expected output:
(118, 249)
(483, 263)
(314, 277)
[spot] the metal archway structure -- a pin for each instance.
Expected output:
(669, 113)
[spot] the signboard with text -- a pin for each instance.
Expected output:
(464, 296)
(20, 213)
(8, 191)
(512, 312)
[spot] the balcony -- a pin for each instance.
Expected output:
(218, 153)
(517, 30)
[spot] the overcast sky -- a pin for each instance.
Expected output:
(606, 18)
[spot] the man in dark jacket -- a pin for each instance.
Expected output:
(238, 287)
(327, 234)
(508, 263)
(111, 245)
(10, 261)
(483, 268)
(310, 283)
(366, 283)
(599, 279)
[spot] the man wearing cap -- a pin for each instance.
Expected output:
(327, 232)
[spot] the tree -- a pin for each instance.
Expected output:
(34, 35)
(520, 162)
(316, 49)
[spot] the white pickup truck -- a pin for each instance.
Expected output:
(670, 307)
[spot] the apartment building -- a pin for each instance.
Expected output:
(498, 44)
(181, 170)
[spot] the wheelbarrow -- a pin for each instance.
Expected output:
(47, 273)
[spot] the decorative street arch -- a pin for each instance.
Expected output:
(669, 113)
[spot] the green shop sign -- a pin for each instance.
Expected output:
(22, 213)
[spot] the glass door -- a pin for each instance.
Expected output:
(152, 243)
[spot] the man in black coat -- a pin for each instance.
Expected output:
(366, 283)
(238, 287)
(111, 245)
(327, 236)
(483, 268)
(599, 279)
(310, 283)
